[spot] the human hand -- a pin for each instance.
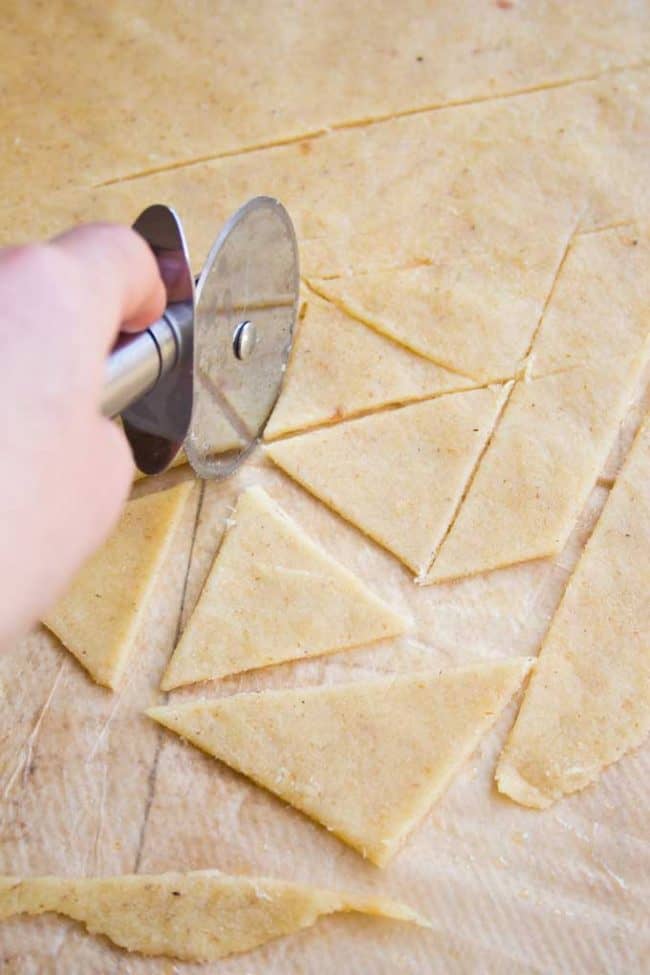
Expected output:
(66, 470)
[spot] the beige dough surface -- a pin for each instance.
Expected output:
(482, 332)
(367, 759)
(589, 701)
(398, 475)
(196, 916)
(539, 468)
(393, 194)
(98, 617)
(273, 595)
(599, 307)
(586, 361)
(135, 87)
(340, 368)
(481, 196)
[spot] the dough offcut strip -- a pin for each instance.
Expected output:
(198, 916)
(588, 702)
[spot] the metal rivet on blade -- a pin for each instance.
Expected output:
(244, 339)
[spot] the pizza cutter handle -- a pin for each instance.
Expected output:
(136, 364)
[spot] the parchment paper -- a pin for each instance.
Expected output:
(89, 785)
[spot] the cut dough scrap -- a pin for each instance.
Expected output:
(98, 617)
(274, 595)
(398, 475)
(589, 700)
(340, 367)
(197, 916)
(600, 303)
(460, 315)
(545, 456)
(366, 759)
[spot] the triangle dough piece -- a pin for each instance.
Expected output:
(461, 315)
(366, 759)
(99, 615)
(398, 475)
(589, 700)
(340, 367)
(196, 916)
(273, 595)
(556, 432)
(536, 475)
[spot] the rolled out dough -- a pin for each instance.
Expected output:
(398, 475)
(178, 461)
(366, 759)
(505, 179)
(456, 313)
(588, 702)
(339, 367)
(552, 160)
(198, 916)
(274, 595)
(599, 307)
(535, 477)
(59, 126)
(98, 617)
(556, 432)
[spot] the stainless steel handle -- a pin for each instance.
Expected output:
(136, 364)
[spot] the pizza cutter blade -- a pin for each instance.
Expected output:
(207, 374)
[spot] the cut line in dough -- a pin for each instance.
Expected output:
(273, 595)
(399, 475)
(599, 308)
(534, 479)
(340, 367)
(332, 59)
(367, 759)
(457, 315)
(179, 461)
(198, 916)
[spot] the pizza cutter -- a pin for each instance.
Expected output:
(206, 375)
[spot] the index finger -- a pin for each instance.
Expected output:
(121, 272)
